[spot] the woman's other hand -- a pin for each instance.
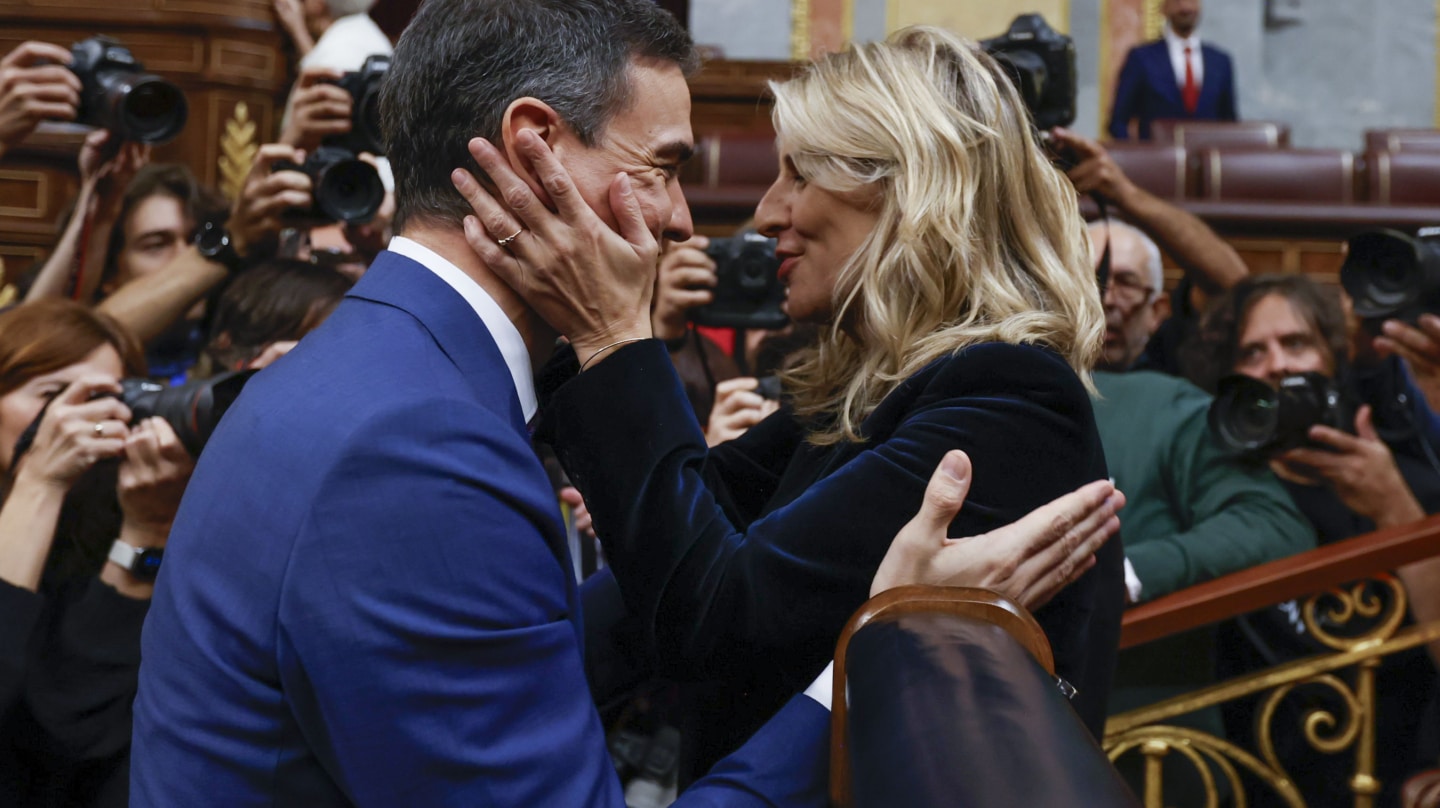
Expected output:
(737, 408)
(76, 430)
(153, 476)
(1028, 561)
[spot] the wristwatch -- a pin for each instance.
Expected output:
(142, 562)
(213, 242)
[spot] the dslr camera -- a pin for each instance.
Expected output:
(748, 292)
(1392, 276)
(1254, 420)
(1041, 63)
(344, 188)
(117, 94)
(192, 409)
(363, 85)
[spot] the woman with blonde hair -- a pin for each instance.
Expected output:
(920, 223)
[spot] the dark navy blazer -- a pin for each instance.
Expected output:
(759, 550)
(1149, 90)
(366, 597)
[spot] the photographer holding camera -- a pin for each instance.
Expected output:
(1275, 329)
(88, 500)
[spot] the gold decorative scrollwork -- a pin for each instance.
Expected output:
(237, 150)
(800, 30)
(1199, 747)
(1383, 615)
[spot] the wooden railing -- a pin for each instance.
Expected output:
(1278, 581)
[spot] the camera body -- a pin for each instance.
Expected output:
(1392, 276)
(117, 94)
(192, 409)
(344, 188)
(1252, 419)
(748, 292)
(363, 85)
(1041, 64)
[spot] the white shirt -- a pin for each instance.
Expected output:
(346, 44)
(1177, 47)
(506, 335)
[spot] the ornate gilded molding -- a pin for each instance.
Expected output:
(237, 150)
(1361, 622)
(800, 30)
(1154, 20)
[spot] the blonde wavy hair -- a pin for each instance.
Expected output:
(979, 238)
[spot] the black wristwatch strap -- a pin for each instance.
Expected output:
(214, 243)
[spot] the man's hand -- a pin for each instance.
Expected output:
(317, 109)
(1360, 469)
(737, 408)
(685, 281)
(1094, 171)
(108, 164)
(584, 524)
(1420, 348)
(35, 86)
(589, 282)
(258, 214)
(1028, 561)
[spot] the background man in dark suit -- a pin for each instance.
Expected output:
(1176, 76)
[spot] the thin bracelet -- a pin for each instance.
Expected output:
(608, 347)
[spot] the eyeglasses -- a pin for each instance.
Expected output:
(1129, 289)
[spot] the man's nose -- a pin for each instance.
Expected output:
(680, 227)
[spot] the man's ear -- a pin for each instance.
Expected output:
(540, 118)
(1160, 308)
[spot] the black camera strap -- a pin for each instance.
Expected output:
(1102, 270)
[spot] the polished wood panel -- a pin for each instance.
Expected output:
(221, 53)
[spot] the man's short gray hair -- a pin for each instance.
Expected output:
(1154, 268)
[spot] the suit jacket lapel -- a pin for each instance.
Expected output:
(395, 280)
(1165, 69)
(1209, 88)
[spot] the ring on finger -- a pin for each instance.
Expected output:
(505, 242)
(99, 429)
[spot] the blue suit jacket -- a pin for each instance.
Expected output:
(1148, 89)
(366, 597)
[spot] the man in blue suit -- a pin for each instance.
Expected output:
(1176, 76)
(366, 597)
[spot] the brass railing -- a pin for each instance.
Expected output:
(1360, 621)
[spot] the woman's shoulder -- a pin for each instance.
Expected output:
(1004, 365)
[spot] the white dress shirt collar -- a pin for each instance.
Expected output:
(507, 336)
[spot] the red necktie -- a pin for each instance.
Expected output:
(1191, 92)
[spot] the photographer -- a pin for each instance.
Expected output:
(1384, 474)
(1210, 264)
(81, 484)
(107, 168)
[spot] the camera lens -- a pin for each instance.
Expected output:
(367, 120)
(349, 191)
(152, 111)
(1245, 414)
(1382, 274)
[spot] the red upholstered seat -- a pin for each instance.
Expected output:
(1161, 170)
(1402, 140)
(1221, 134)
(1278, 175)
(1403, 178)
